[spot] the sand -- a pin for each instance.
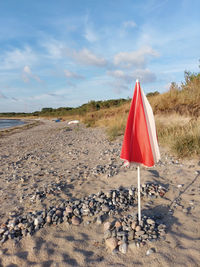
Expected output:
(56, 153)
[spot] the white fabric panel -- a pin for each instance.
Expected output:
(151, 127)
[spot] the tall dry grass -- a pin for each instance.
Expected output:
(180, 134)
(113, 119)
(183, 99)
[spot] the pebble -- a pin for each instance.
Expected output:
(107, 226)
(133, 225)
(118, 224)
(137, 228)
(150, 221)
(99, 220)
(150, 251)
(123, 248)
(139, 233)
(75, 220)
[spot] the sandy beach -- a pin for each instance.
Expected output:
(52, 163)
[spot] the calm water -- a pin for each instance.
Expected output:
(10, 123)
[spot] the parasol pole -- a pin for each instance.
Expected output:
(139, 206)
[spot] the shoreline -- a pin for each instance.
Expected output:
(14, 129)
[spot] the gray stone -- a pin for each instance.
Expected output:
(150, 251)
(123, 248)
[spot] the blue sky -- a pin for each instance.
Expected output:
(66, 53)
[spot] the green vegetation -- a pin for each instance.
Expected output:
(91, 106)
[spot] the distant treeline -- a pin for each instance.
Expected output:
(64, 111)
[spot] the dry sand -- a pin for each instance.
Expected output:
(54, 153)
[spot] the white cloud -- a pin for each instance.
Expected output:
(27, 75)
(17, 58)
(86, 57)
(137, 58)
(123, 79)
(55, 49)
(73, 75)
(130, 24)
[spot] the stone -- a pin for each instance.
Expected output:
(150, 221)
(76, 220)
(133, 225)
(139, 233)
(118, 224)
(68, 210)
(105, 208)
(107, 226)
(38, 221)
(111, 243)
(123, 248)
(150, 251)
(58, 213)
(138, 228)
(99, 220)
(120, 242)
(48, 219)
(2, 230)
(145, 236)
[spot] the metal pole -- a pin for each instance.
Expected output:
(139, 206)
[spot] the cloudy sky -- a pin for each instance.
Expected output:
(67, 52)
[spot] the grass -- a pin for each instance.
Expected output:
(184, 99)
(180, 134)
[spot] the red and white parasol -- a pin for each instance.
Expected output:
(140, 143)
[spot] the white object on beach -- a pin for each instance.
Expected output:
(73, 122)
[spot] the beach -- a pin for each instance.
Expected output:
(52, 163)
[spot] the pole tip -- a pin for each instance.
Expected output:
(137, 81)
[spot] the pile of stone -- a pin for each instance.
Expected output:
(153, 190)
(109, 169)
(126, 233)
(98, 207)
(54, 188)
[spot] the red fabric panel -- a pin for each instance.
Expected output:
(136, 145)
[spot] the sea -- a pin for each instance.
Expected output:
(7, 123)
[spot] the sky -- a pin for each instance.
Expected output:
(67, 52)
